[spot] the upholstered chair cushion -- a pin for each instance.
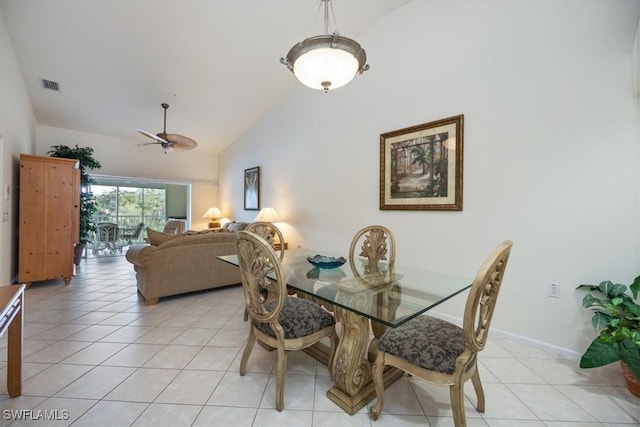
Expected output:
(299, 318)
(425, 341)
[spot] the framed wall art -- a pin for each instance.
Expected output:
(421, 166)
(252, 189)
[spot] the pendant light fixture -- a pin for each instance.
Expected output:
(328, 61)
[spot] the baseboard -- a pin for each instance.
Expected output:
(499, 333)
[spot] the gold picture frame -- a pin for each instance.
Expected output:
(421, 166)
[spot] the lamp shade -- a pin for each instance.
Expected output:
(267, 215)
(327, 61)
(212, 213)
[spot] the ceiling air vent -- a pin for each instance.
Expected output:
(50, 84)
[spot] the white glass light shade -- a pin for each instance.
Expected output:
(213, 213)
(267, 215)
(326, 62)
(325, 67)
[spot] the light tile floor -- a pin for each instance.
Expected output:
(95, 355)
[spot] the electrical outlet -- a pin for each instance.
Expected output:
(554, 290)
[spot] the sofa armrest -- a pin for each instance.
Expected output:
(140, 254)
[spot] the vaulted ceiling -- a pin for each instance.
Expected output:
(216, 62)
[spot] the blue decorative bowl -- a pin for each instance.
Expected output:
(322, 261)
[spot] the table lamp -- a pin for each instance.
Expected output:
(270, 215)
(214, 214)
(267, 215)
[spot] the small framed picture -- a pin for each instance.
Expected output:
(421, 166)
(252, 189)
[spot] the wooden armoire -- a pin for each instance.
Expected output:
(49, 218)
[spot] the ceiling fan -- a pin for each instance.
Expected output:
(169, 141)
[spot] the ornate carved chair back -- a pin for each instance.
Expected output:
(483, 295)
(268, 232)
(257, 260)
(376, 244)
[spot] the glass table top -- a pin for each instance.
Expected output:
(389, 297)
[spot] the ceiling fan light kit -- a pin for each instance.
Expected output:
(327, 61)
(169, 142)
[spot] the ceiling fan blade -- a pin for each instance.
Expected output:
(179, 143)
(152, 136)
(169, 141)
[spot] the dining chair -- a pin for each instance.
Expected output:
(376, 243)
(268, 232)
(277, 320)
(440, 352)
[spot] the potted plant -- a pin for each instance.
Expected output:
(616, 318)
(88, 207)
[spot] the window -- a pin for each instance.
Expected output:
(129, 206)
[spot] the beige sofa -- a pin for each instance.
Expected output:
(176, 264)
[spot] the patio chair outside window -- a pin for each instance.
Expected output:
(131, 234)
(107, 238)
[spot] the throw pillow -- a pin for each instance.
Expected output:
(156, 238)
(237, 226)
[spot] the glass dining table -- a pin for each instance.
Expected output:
(365, 303)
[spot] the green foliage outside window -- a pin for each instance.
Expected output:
(129, 206)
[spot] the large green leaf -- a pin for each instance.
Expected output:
(617, 300)
(612, 290)
(630, 353)
(600, 321)
(599, 354)
(632, 307)
(590, 300)
(635, 287)
(604, 286)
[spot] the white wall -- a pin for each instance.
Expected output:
(200, 203)
(17, 126)
(550, 156)
(122, 157)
